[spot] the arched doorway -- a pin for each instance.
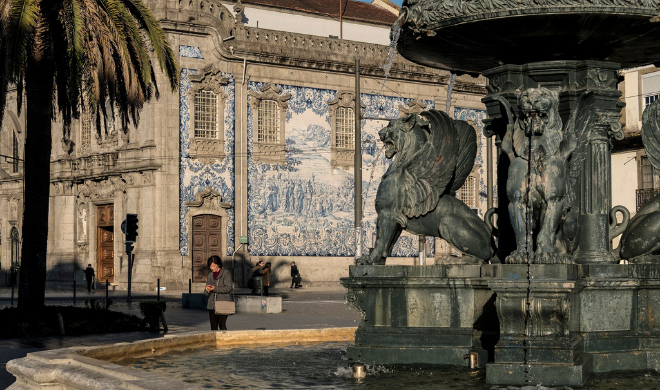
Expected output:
(206, 242)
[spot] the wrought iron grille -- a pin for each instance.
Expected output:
(268, 126)
(345, 128)
(466, 193)
(644, 196)
(206, 115)
(85, 129)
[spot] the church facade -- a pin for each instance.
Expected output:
(251, 159)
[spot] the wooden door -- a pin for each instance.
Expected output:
(105, 243)
(206, 231)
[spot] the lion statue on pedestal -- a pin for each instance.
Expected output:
(434, 156)
(545, 162)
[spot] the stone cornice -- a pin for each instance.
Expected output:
(282, 48)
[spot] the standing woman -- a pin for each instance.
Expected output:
(218, 287)
(267, 272)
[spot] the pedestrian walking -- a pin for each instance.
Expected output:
(267, 272)
(295, 276)
(89, 275)
(218, 287)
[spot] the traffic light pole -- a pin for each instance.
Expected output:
(129, 227)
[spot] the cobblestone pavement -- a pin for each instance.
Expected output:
(306, 308)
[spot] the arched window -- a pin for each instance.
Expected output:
(268, 127)
(15, 248)
(206, 114)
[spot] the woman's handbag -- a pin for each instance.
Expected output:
(226, 307)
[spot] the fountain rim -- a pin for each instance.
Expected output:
(407, 25)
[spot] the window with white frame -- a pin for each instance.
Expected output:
(268, 128)
(467, 193)
(650, 87)
(206, 114)
(345, 128)
(269, 107)
(207, 97)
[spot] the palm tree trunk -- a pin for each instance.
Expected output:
(38, 144)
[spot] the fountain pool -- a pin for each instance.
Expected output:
(324, 366)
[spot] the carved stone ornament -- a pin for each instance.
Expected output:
(62, 188)
(14, 201)
(414, 106)
(270, 152)
(341, 157)
(148, 177)
(208, 199)
(429, 15)
(208, 150)
(612, 122)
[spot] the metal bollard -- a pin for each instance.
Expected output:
(189, 286)
(107, 286)
(158, 291)
(74, 292)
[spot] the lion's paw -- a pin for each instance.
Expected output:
(552, 258)
(516, 257)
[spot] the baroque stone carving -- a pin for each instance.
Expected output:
(417, 193)
(427, 15)
(642, 236)
(208, 199)
(414, 106)
(546, 158)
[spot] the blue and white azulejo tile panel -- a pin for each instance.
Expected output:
(304, 207)
(195, 176)
(190, 52)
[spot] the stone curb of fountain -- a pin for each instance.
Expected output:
(80, 367)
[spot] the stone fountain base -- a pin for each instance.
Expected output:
(543, 324)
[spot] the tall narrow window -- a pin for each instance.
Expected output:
(269, 119)
(649, 178)
(206, 114)
(345, 128)
(467, 193)
(14, 162)
(85, 129)
(15, 262)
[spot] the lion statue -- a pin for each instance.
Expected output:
(545, 161)
(434, 156)
(640, 241)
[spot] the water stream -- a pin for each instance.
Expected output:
(527, 343)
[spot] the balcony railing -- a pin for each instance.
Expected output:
(644, 196)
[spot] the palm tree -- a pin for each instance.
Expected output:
(61, 53)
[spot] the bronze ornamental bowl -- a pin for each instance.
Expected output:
(470, 36)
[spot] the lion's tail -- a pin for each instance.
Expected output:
(467, 152)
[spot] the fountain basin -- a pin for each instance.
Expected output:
(477, 35)
(93, 367)
(581, 319)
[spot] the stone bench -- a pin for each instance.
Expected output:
(244, 303)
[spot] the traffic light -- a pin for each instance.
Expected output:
(131, 227)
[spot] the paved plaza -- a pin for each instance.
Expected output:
(306, 308)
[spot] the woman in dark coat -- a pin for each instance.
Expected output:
(295, 275)
(218, 287)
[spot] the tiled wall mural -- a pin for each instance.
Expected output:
(190, 52)
(195, 176)
(304, 207)
(477, 116)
